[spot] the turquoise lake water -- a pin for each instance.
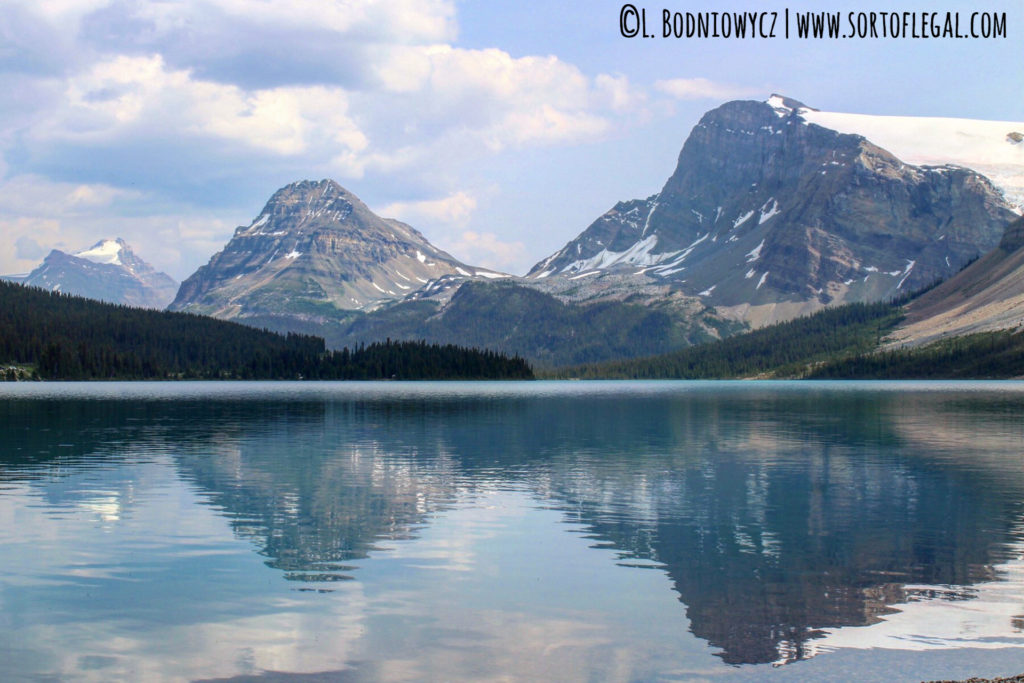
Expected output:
(600, 531)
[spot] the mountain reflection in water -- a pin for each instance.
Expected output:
(777, 516)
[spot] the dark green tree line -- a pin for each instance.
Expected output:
(72, 338)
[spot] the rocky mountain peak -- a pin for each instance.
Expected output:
(315, 252)
(313, 195)
(299, 204)
(767, 210)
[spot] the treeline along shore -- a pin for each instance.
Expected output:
(53, 336)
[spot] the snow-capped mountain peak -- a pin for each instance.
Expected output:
(776, 205)
(108, 271)
(105, 251)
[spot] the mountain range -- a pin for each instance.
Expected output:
(774, 210)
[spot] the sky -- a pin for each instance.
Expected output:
(499, 129)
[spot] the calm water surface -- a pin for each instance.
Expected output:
(530, 531)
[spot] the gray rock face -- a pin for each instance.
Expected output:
(108, 271)
(985, 296)
(765, 208)
(315, 252)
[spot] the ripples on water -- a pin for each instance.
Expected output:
(544, 530)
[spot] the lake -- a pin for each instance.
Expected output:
(606, 531)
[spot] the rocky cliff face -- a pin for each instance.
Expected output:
(313, 253)
(985, 296)
(1013, 236)
(108, 271)
(768, 210)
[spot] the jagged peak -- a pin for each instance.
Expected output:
(311, 197)
(314, 192)
(324, 185)
(326, 189)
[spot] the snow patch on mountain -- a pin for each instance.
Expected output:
(768, 211)
(647, 223)
(638, 255)
(742, 219)
(104, 251)
(755, 253)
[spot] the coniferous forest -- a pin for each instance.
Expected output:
(57, 336)
(48, 335)
(984, 355)
(789, 349)
(836, 343)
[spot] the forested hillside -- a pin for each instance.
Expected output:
(58, 336)
(789, 349)
(836, 343)
(513, 318)
(985, 355)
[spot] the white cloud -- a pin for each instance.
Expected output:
(406, 20)
(413, 21)
(40, 215)
(33, 238)
(489, 97)
(35, 196)
(455, 209)
(64, 11)
(432, 105)
(488, 250)
(702, 89)
(447, 218)
(132, 96)
(618, 94)
(26, 248)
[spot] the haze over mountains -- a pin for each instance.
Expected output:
(774, 210)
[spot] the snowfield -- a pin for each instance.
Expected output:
(988, 147)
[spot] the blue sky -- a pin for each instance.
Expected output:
(498, 129)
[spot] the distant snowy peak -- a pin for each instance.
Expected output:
(107, 271)
(105, 251)
(992, 148)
